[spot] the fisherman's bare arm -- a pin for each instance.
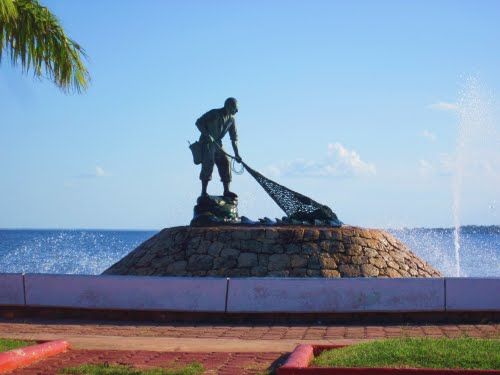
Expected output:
(234, 141)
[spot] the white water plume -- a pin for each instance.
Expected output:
(475, 130)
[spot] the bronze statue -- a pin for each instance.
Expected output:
(223, 210)
(213, 126)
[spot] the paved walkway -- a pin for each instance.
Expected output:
(222, 349)
(223, 338)
(214, 363)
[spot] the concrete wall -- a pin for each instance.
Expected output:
(335, 295)
(251, 295)
(126, 292)
(11, 289)
(473, 294)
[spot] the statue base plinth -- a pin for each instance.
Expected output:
(276, 251)
(215, 210)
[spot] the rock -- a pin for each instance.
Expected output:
(330, 273)
(393, 265)
(313, 263)
(313, 273)
(369, 270)
(310, 248)
(391, 272)
(298, 272)
(263, 260)
(279, 274)
(200, 263)
(258, 271)
(179, 266)
(247, 260)
(311, 234)
(241, 234)
(327, 262)
(293, 248)
(278, 262)
(298, 261)
(349, 270)
(272, 234)
(225, 262)
(252, 245)
(230, 253)
(215, 248)
(378, 262)
(286, 251)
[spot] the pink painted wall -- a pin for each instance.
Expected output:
(126, 292)
(11, 289)
(289, 295)
(472, 294)
(335, 295)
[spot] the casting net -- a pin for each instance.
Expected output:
(293, 203)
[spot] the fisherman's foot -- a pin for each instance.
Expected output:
(230, 194)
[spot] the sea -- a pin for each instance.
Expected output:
(90, 252)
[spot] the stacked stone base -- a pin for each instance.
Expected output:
(287, 251)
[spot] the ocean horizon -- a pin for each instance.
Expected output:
(91, 251)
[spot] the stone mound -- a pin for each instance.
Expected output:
(282, 251)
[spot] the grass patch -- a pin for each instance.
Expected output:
(108, 369)
(463, 353)
(8, 344)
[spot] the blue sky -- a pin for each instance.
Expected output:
(352, 103)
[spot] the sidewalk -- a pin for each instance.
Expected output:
(214, 363)
(222, 349)
(222, 338)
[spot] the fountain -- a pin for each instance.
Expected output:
(474, 125)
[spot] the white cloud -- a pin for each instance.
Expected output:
(444, 106)
(339, 162)
(425, 169)
(444, 165)
(99, 172)
(429, 135)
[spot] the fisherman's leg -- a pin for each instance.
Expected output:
(204, 185)
(224, 169)
(207, 167)
(206, 175)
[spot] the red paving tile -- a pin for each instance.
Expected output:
(250, 332)
(214, 363)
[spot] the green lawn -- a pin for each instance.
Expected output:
(8, 344)
(105, 369)
(464, 353)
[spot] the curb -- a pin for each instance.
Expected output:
(298, 364)
(17, 358)
(300, 357)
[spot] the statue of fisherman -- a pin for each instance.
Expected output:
(213, 126)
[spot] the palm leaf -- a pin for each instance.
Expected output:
(7, 9)
(33, 38)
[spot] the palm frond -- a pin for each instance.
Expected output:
(8, 14)
(35, 40)
(7, 10)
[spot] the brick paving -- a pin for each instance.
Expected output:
(222, 349)
(250, 332)
(214, 363)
